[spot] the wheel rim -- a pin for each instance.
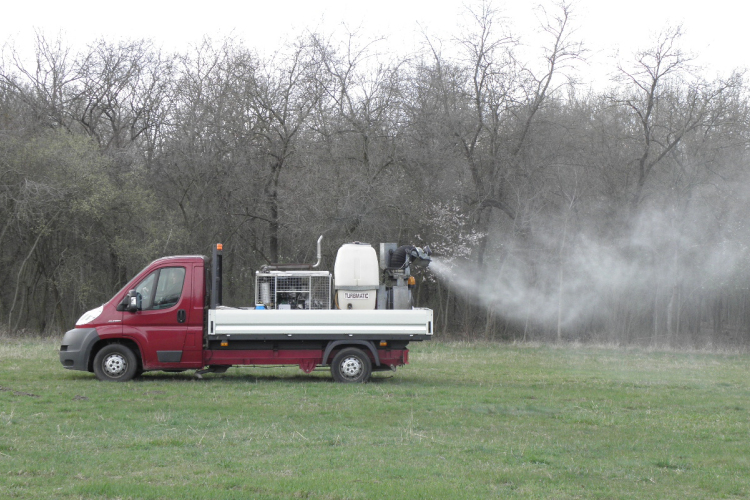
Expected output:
(115, 365)
(351, 367)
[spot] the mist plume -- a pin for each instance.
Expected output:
(648, 276)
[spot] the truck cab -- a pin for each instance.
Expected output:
(163, 330)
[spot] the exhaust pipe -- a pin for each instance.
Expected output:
(320, 255)
(294, 267)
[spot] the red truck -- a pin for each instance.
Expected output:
(169, 317)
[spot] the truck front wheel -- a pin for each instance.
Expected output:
(351, 365)
(115, 363)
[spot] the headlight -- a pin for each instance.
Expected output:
(90, 316)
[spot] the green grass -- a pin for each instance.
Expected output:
(461, 421)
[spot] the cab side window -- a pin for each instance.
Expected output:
(169, 288)
(145, 290)
(161, 289)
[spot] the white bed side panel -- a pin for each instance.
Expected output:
(316, 322)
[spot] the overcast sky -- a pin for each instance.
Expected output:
(714, 30)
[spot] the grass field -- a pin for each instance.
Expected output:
(461, 421)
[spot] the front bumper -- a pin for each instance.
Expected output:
(76, 348)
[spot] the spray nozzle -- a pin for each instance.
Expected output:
(420, 257)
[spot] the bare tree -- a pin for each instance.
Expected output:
(286, 91)
(123, 93)
(48, 86)
(666, 101)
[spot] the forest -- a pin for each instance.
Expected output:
(556, 210)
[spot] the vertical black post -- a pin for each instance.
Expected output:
(216, 276)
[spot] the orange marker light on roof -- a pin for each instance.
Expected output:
(219, 246)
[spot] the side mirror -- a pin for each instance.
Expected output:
(135, 301)
(131, 302)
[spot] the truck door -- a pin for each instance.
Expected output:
(160, 326)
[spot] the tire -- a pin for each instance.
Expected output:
(351, 366)
(115, 363)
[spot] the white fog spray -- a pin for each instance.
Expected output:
(570, 287)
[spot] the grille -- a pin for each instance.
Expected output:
(293, 290)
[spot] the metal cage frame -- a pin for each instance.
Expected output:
(309, 290)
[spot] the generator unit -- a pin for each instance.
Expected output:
(293, 289)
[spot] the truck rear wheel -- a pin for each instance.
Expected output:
(115, 363)
(351, 365)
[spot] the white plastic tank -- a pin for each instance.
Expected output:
(356, 276)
